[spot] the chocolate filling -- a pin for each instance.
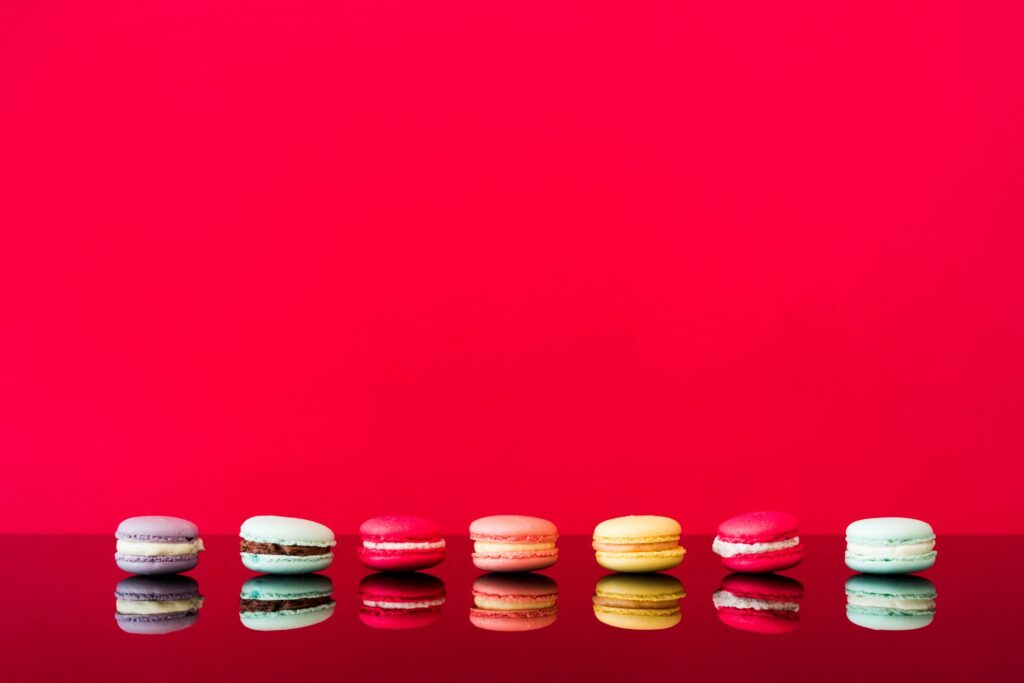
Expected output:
(279, 605)
(276, 549)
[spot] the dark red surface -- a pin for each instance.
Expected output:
(59, 625)
(430, 250)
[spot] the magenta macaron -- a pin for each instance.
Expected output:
(759, 542)
(513, 543)
(400, 543)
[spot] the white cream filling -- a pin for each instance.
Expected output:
(890, 602)
(890, 552)
(430, 545)
(727, 599)
(727, 549)
(486, 547)
(157, 549)
(422, 604)
(157, 606)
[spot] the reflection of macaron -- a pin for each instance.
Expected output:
(513, 543)
(285, 545)
(281, 603)
(890, 545)
(514, 602)
(154, 605)
(762, 603)
(400, 543)
(759, 542)
(400, 600)
(890, 603)
(156, 544)
(638, 543)
(638, 602)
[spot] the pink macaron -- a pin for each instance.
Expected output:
(400, 543)
(514, 602)
(400, 600)
(513, 543)
(759, 542)
(761, 603)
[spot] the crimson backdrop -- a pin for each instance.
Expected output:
(576, 259)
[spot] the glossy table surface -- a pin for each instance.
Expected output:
(59, 624)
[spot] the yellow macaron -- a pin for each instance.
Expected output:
(638, 602)
(638, 543)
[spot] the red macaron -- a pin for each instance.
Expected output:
(400, 601)
(761, 603)
(759, 542)
(400, 543)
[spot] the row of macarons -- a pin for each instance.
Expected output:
(753, 542)
(760, 603)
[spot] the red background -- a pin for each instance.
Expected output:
(573, 259)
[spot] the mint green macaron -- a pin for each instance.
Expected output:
(890, 545)
(285, 545)
(890, 603)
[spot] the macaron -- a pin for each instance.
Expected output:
(400, 600)
(155, 544)
(890, 603)
(513, 543)
(283, 603)
(638, 602)
(760, 603)
(514, 602)
(285, 545)
(890, 545)
(638, 543)
(155, 605)
(759, 542)
(400, 543)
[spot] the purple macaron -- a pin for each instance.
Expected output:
(155, 605)
(157, 545)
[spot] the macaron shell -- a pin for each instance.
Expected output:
(285, 564)
(636, 620)
(904, 565)
(637, 529)
(765, 562)
(513, 621)
(148, 565)
(889, 622)
(396, 619)
(759, 621)
(512, 527)
(157, 528)
(527, 563)
(759, 527)
(389, 560)
(287, 620)
(889, 530)
(286, 531)
(156, 625)
(400, 528)
(653, 561)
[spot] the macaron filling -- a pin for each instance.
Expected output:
(733, 548)
(405, 604)
(493, 546)
(405, 545)
(159, 548)
(728, 600)
(256, 548)
(158, 606)
(289, 605)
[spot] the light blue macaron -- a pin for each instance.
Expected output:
(890, 545)
(890, 603)
(286, 545)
